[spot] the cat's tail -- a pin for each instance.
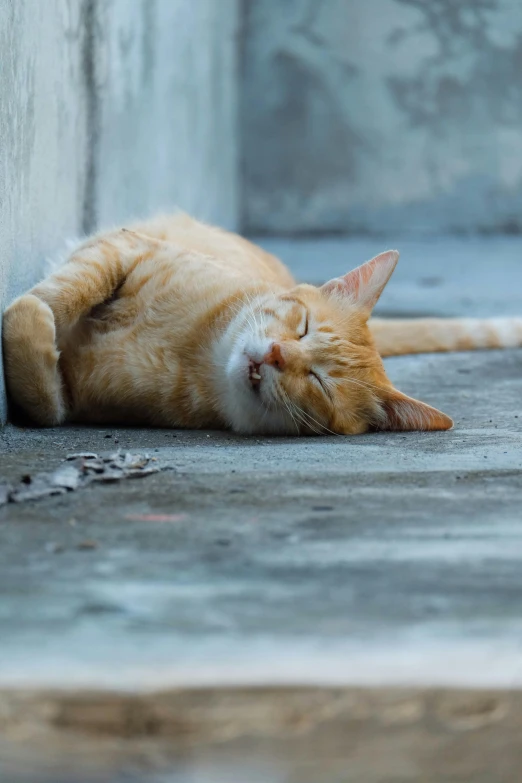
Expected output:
(425, 335)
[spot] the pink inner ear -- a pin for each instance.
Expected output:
(365, 284)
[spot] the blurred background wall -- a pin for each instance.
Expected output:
(381, 116)
(271, 116)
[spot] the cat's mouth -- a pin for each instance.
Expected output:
(253, 375)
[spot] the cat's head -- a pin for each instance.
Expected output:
(304, 361)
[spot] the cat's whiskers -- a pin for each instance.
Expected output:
(306, 418)
(362, 384)
(323, 427)
(306, 423)
(286, 405)
(296, 417)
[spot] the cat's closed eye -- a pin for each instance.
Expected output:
(317, 378)
(304, 330)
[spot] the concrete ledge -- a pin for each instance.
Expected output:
(305, 734)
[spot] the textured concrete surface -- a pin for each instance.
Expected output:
(267, 736)
(383, 559)
(382, 115)
(109, 109)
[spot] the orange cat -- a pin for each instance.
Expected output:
(179, 324)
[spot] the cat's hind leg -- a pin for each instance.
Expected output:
(31, 361)
(35, 322)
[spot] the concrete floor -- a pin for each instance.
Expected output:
(388, 563)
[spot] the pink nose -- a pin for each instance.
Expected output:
(275, 357)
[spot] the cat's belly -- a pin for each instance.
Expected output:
(141, 357)
(132, 376)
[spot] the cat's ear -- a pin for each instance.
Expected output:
(402, 413)
(364, 285)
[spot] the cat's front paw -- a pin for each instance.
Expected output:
(31, 360)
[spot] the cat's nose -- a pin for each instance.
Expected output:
(274, 357)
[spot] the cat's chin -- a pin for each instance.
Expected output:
(247, 408)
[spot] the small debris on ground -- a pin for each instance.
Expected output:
(156, 517)
(76, 471)
(85, 545)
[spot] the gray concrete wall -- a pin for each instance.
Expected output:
(43, 136)
(166, 108)
(382, 115)
(109, 109)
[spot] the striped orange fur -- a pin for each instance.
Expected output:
(176, 323)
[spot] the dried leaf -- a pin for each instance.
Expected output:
(40, 487)
(78, 470)
(67, 476)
